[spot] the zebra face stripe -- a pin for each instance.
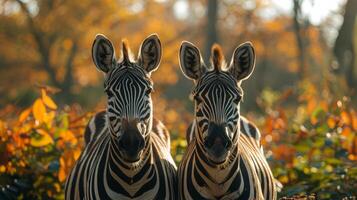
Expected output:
(128, 89)
(217, 97)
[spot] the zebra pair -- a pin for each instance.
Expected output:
(127, 152)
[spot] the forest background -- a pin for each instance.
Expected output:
(302, 95)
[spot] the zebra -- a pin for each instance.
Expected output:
(224, 158)
(127, 152)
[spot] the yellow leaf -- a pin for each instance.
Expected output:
(284, 179)
(47, 100)
(48, 118)
(24, 114)
(2, 168)
(39, 110)
(44, 140)
(57, 187)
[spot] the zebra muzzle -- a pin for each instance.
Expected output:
(217, 143)
(131, 143)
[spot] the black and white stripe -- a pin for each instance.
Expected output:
(244, 173)
(102, 171)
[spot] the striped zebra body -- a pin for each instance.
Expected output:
(127, 151)
(224, 158)
(245, 175)
(100, 173)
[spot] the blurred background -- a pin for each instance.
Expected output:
(302, 94)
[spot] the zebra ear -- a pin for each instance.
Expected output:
(150, 53)
(243, 61)
(103, 53)
(191, 62)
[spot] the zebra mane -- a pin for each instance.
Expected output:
(217, 57)
(126, 51)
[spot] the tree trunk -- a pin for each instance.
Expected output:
(298, 30)
(212, 35)
(344, 49)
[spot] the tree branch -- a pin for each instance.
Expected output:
(43, 49)
(68, 78)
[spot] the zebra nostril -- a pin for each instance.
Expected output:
(208, 143)
(122, 144)
(131, 144)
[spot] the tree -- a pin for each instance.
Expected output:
(299, 32)
(211, 24)
(49, 42)
(344, 48)
(53, 31)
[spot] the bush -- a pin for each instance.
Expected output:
(38, 149)
(311, 145)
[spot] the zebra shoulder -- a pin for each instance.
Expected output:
(95, 125)
(249, 129)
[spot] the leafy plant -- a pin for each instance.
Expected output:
(313, 146)
(38, 149)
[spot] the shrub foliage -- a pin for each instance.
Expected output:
(312, 147)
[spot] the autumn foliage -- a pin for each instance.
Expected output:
(311, 148)
(39, 148)
(301, 94)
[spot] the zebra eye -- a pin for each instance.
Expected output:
(148, 91)
(197, 98)
(236, 100)
(109, 93)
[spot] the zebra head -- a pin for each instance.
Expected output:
(217, 95)
(128, 87)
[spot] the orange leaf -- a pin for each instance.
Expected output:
(77, 153)
(313, 120)
(47, 100)
(324, 106)
(24, 114)
(346, 131)
(331, 123)
(39, 110)
(62, 170)
(2, 130)
(345, 117)
(68, 136)
(311, 106)
(354, 119)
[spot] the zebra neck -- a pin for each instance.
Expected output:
(130, 169)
